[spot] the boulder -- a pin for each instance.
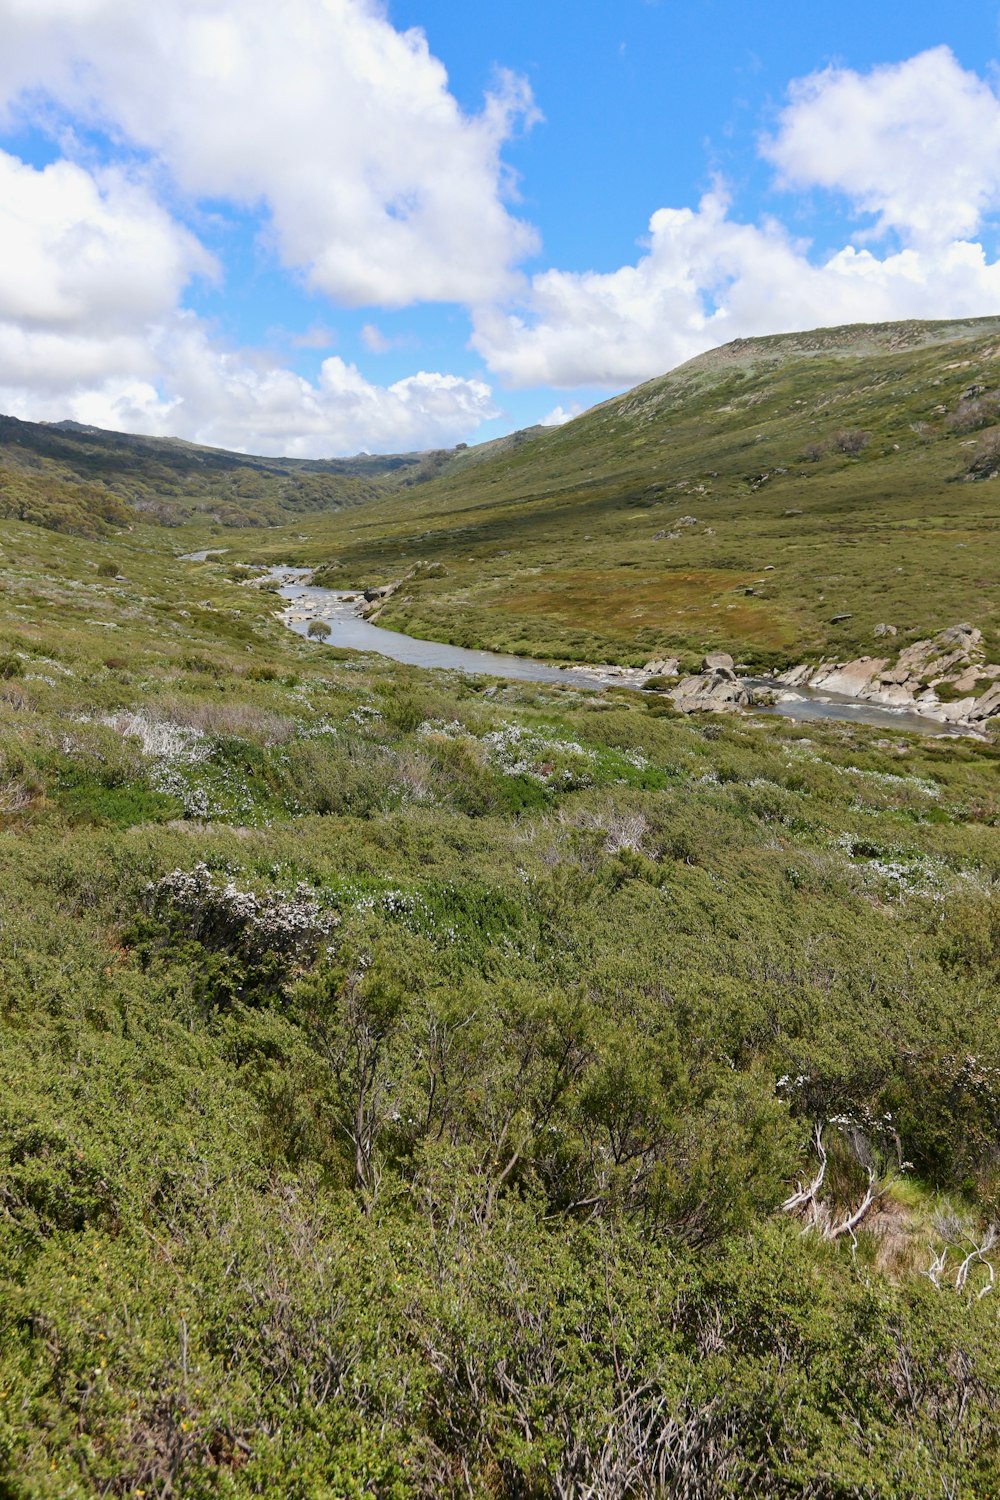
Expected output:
(962, 636)
(884, 630)
(850, 677)
(711, 693)
(719, 661)
(987, 706)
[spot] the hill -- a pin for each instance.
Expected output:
(777, 498)
(73, 478)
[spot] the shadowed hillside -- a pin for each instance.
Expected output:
(79, 479)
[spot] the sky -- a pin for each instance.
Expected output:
(322, 227)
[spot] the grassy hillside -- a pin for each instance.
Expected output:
(85, 481)
(405, 1075)
(742, 502)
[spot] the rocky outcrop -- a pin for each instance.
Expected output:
(945, 677)
(716, 690)
(665, 666)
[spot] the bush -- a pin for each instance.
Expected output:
(986, 463)
(851, 441)
(318, 630)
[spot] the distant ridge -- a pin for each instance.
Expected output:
(849, 340)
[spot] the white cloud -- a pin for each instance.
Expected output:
(918, 144)
(344, 129)
(236, 399)
(559, 415)
(343, 132)
(87, 255)
(91, 273)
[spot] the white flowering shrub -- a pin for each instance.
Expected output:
(221, 916)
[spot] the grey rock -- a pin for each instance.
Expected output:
(711, 692)
(884, 630)
(986, 706)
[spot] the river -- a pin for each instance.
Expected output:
(347, 631)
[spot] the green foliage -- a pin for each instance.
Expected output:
(405, 1075)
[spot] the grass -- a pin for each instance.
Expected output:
(570, 546)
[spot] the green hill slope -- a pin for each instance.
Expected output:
(427, 1089)
(83, 480)
(777, 498)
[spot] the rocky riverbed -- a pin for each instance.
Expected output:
(945, 677)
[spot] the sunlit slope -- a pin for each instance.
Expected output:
(745, 501)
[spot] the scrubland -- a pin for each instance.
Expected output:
(420, 1086)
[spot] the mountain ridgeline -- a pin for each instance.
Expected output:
(85, 481)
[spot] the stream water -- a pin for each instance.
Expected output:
(339, 612)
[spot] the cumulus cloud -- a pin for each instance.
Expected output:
(88, 255)
(91, 275)
(343, 129)
(238, 399)
(343, 135)
(560, 415)
(917, 144)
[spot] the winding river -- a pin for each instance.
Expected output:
(338, 610)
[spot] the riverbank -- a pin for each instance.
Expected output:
(347, 614)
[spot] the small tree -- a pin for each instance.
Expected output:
(318, 630)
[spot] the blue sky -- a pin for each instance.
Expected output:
(337, 224)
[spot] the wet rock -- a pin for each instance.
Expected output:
(850, 678)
